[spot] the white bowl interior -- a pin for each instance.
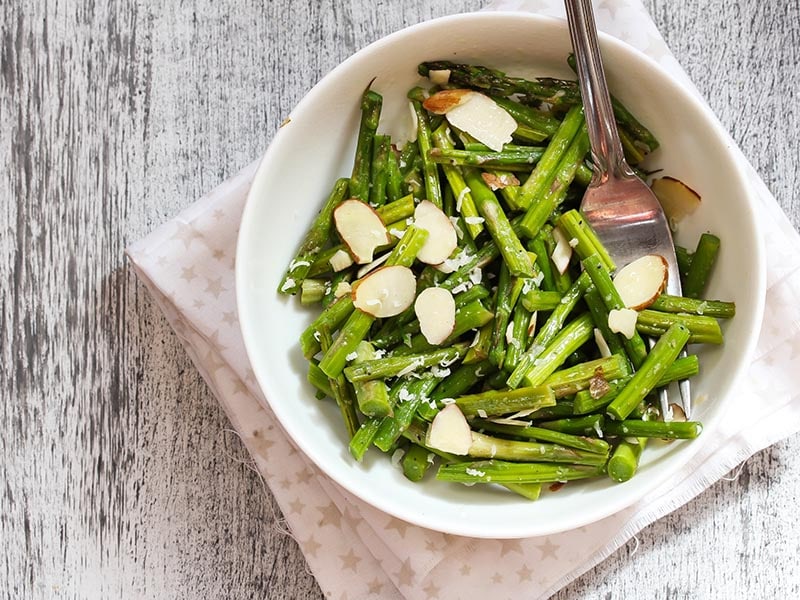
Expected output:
(317, 146)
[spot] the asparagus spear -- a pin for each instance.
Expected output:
(379, 174)
(576, 228)
(315, 240)
(372, 396)
(590, 425)
(416, 462)
(593, 265)
(663, 354)
(485, 446)
(578, 442)
(654, 429)
(496, 471)
(544, 173)
(502, 402)
(511, 158)
(516, 257)
(433, 189)
(548, 198)
(625, 460)
(371, 103)
(465, 205)
(702, 329)
(680, 304)
(702, 263)
(536, 371)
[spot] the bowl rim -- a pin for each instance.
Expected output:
(408, 514)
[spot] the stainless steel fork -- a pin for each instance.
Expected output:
(620, 207)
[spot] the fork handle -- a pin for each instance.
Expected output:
(607, 154)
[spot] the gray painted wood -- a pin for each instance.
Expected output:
(119, 479)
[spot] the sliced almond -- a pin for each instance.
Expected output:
(483, 119)
(449, 431)
(623, 321)
(340, 260)
(385, 292)
(446, 100)
(602, 345)
(562, 252)
(442, 238)
(677, 199)
(639, 283)
(373, 265)
(360, 228)
(436, 310)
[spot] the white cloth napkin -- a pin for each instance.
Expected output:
(354, 550)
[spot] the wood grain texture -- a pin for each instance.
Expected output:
(119, 477)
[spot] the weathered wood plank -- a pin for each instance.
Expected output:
(119, 479)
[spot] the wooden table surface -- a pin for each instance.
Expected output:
(119, 477)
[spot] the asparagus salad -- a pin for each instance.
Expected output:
(471, 321)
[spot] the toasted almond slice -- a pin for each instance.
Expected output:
(340, 260)
(442, 238)
(562, 252)
(623, 321)
(483, 119)
(439, 76)
(360, 228)
(436, 310)
(373, 265)
(446, 100)
(449, 431)
(602, 345)
(639, 283)
(385, 292)
(677, 199)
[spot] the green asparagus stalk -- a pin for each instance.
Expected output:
(534, 300)
(461, 380)
(671, 430)
(520, 336)
(312, 291)
(465, 205)
(702, 263)
(544, 173)
(508, 291)
(379, 170)
(663, 354)
(589, 425)
(319, 380)
(516, 257)
(342, 393)
(485, 446)
(579, 442)
(315, 240)
(513, 158)
(702, 329)
(496, 471)
(372, 396)
(549, 197)
(576, 228)
(569, 339)
(593, 265)
(416, 462)
(371, 103)
(625, 460)
(328, 320)
(501, 402)
(600, 318)
(576, 378)
(694, 306)
(393, 366)
(433, 189)
(392, 428)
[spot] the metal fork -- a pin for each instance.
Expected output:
(620, 207)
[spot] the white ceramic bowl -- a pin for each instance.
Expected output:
(317, 146)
